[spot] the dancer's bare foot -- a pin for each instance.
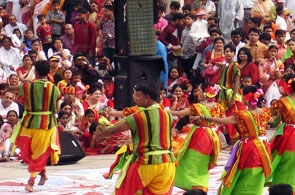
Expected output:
(43, 179)
(29, 188)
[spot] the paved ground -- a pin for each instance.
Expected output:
(82, 178)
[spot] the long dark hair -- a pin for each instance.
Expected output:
(247, 52)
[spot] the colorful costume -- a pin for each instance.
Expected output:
(150, 167)
(199, 152)
(250, 160)
(36, 135)
(228, 75)
(283, 144)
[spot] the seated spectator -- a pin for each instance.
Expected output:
(55, 72)
(163, 98)
(67, 80)
(96, 100)
(28, 39)
(10, 57)
(65, 54)
(37, 47)
(90, 117)
(7, 103)
(13, 24)
(88, 73)
(108, 86)
(13, 80)
(17, 38)
(80, 87)
(5, 133)
(175, 78)
(280, 189)
(26, 73)
(63, 118)
(69, 96)
(178, 99)
(104, 67)
(3, 88)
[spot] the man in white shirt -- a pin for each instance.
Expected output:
(13, 24)
(7, 104)
(280, 21)
(236, 38)
(10, 57)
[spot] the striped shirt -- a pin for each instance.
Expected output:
(150, 130)
(39, 96)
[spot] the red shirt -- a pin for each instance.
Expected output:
(252, 71)
(44, 33)
(85, 37)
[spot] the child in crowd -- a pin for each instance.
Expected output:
(246, 81)
(63, 118)
(44, 32)
(56, 19)
(28, 39)
(163, 98)
(280, 36)
(80, 87)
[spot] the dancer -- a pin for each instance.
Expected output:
(36, 134)
(250, 160)
(201, 148)
(283, 144)
(150, 168)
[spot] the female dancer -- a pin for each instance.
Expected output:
(250, 160)
(201, 148)
(283, 144)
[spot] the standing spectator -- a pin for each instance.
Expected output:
(85, 34)
(14, 7)
(10, 57)
(162, 23)
(108, 29)
(258, 50)
(169, 37)
(236, 38)
(7, 103)
(207, 5)
(188, 47)
(13, 24)
(280, 39)
(174, 8)
(68, 39)
(44, 32)
(248, 68)
(56, 19)
(4, 15)
(280, 21)
(230, 12)
(261, 9)
(247, 5)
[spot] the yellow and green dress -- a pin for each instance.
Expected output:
(199, 152)
(250, 160)
(283, 144)
(37, 135)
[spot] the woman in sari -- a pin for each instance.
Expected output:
(26, 73)
(250, 160)
(201, 148)
(175, 78)
(270, 70)
(96, 100)
(283, 145)
(213, 60)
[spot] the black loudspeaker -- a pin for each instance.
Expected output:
(134, 27)
(71, 150)
(134, 70)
